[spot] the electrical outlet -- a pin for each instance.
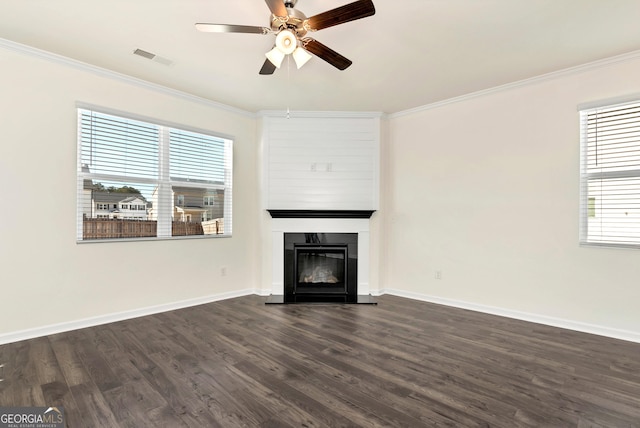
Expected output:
(314, 167)
(1, 372)
(438, 274)
(223, 271)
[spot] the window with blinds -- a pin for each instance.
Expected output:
(142, 180)
(610, 175)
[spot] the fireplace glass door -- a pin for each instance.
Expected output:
(320, 269)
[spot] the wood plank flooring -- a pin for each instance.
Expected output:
(402, 363)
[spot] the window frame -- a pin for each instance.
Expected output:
(162, 180)
(590, 204)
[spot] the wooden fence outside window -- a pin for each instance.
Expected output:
(100, 228)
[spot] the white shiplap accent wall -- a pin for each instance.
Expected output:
(320, 162)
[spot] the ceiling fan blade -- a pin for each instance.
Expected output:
(340, 15)
(225, 28)
(327, 54)
(267, 68)
(277, 7)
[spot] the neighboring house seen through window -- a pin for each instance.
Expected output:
(610, 175)
(143, 180)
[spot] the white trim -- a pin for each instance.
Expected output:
(264, 147)
(609, 102)
(375, 197)
(118, 316)
(123, 114)
(524, 82)
(631, 336)
(320, 114)
(32, 333)
(55, 58)
(280, 226)
(110, 74)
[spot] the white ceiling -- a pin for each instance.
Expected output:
(409, 54)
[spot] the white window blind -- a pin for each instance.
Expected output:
(610, 175)
(143, 180)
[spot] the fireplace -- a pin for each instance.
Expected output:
(320, 267)
(320, 257)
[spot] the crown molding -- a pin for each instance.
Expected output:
(320, 114)
(630, 56)
(110, 74)
(103, 72)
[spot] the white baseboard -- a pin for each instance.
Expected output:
(630, 336)
(119, 316)
(17, 336)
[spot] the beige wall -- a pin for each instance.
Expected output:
(486, 190)
(46, 277)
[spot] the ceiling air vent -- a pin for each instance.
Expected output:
(153, 57)
(144, 54)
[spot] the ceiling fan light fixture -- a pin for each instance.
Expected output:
(301, 56)
(290, 25)
(286, 41)
(276, 56)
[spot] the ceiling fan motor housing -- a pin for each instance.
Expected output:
(294, 21)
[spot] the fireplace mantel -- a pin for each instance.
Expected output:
(321, 213)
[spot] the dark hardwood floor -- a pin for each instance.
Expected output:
(402, 363)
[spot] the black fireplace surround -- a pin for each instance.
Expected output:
(321, 267)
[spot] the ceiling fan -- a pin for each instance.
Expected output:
(291, 27)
